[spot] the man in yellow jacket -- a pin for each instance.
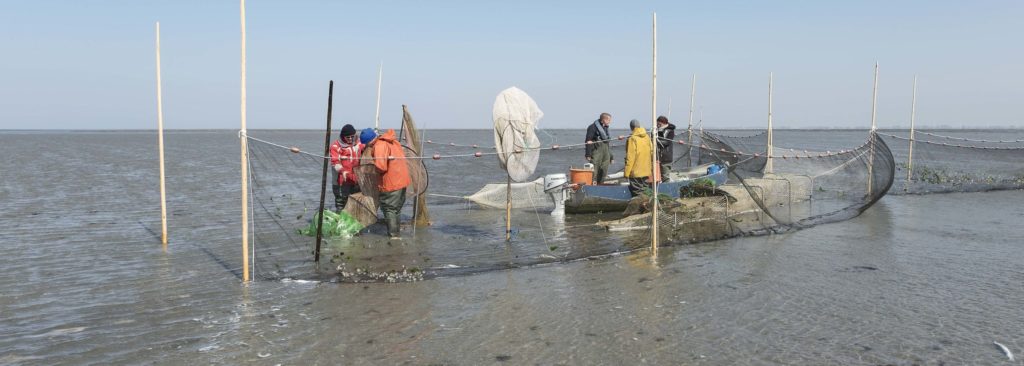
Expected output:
(639, 153)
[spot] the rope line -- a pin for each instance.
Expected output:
(968, 139)
(435, 156)
(916, 141)
(807, 154)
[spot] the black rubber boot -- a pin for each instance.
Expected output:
(339, 198)
(394, 227)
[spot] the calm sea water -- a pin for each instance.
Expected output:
(914, 280)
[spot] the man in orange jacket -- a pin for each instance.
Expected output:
(389, 158)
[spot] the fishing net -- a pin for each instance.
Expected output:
(940, 163)
(515, 117)
(411, 137)
(286, 176)
(335, 224)
(468, 191)
(524, 195)
(798, 190)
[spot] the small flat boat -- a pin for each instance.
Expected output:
(613, 195)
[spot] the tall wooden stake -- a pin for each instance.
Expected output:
(508, 210)
(654, 129)
(874, 98)
(245, 166)
(910, 154)
(160, 142)
(871, 138)
(689, 124)
(700, 122)
(323, 180)
(770, 151)
(380, 77)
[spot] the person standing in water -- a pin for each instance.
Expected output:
(345, 153)
(666, 133)
(598, 150)
(389, 159)
(638, 158)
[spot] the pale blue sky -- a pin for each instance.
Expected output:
(89, 64)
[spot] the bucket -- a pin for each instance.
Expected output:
(581, 176)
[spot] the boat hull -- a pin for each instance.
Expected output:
(615, 198)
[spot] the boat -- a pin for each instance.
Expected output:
(613, 195)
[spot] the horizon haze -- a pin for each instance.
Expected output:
(91, 64)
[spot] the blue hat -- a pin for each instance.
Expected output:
(367, 135)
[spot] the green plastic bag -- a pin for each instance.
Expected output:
(335, 225)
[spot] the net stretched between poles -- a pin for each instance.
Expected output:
(285, 181)
(802, 190)
(940, 163)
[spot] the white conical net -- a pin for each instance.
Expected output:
(515, 138)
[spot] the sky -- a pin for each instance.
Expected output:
(90, 64)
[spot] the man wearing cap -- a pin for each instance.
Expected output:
(666, 133)
(638, 158)
(598, 150)
(389, 159)
(345, 153)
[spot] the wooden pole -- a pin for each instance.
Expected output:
(160, 142)
(323, 180)
(689, 124)
(874, 99)
(870, 157)
(910, 154)
(700, 123)
(654, 128)
(508, 210)
(770, 150)
(380, 77)
(245, 166)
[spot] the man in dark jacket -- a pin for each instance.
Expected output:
(599, 151)
(666, 133)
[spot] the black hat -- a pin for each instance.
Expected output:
(348, 130)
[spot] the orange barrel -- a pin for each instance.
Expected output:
(581, 176)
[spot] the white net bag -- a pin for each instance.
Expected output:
(515, 138)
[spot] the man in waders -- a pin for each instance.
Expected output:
(638, 159)
(344, 157)
(389, 159)
(666, 133)
(599, 151)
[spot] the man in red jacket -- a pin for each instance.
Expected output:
(345, 157)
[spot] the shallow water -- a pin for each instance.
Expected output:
(914, 280)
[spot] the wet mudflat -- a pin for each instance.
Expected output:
(914, 280)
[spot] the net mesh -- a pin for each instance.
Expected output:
(524, 195)
(411, 137)
(802, 189)
(940, 163)
(515, 117)
(285, 181)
